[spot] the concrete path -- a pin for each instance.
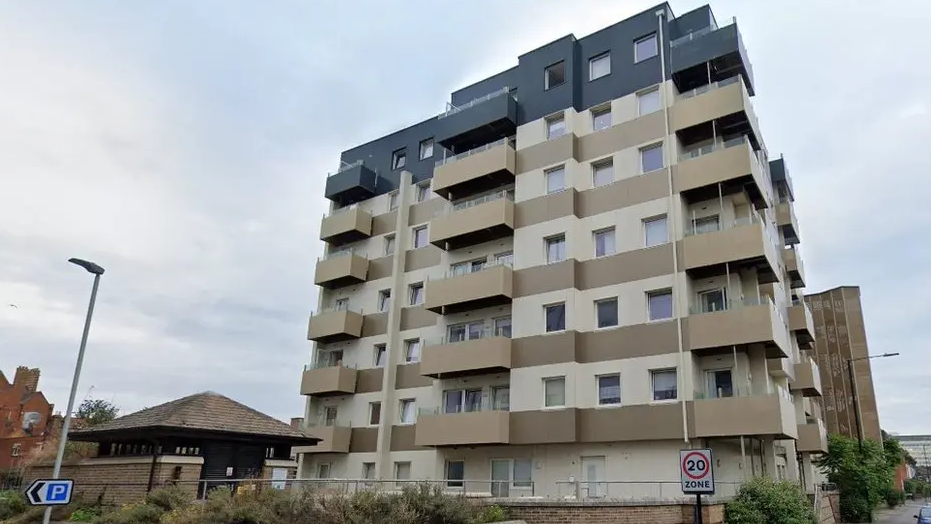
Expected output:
(904, 514)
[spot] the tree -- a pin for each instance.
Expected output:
(864, 478)
(96, 411)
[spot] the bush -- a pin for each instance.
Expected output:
(12, 503)
(85, 514)
(894, 497)
(763, 500)
(862, 477)
(494, 513)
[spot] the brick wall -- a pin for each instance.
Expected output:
(119, 480)
(543, 512)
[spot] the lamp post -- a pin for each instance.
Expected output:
(855, 394)
(95, 270)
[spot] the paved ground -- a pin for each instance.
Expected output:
(904, 514)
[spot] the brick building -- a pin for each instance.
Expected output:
(26, 416)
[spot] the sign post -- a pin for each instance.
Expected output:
(50, 492)
(697, 471)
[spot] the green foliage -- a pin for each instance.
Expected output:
(894, 497)
(493, 513)
(863, 477)
(12, 503)
(918, 488)
(85, 514)
(96, 411)
(763, 500)
(169, 498)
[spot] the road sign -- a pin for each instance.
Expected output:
(697, 471)
(50, 492)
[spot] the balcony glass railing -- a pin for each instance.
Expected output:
(469, 268)
(328, 363)
(346, 167)
(340, 253)
(323, 421)
(739, 391)
(485, 332)
(486, 404)
(509, 141)
(694, 35)
(455, 109)
(716, 306)
(477, 201)
(717, 145)
(341, 210)
(709, 87)
(339, 306)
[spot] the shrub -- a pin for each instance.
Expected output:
(763, 500)
(138, 513)
(169, 498)
(85, 514)
(894, 497)
(12, 503)
(493, 513)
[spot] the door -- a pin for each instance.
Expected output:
(713, 300)
(593, 477)
(500, 478)
(720, 383)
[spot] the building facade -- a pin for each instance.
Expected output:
(919, 447)
(585, 264)
(26, 417)
(840, 335)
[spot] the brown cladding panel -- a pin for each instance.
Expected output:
(543, 427)
(425, 211)
(421, 258)
(545, 208)
(637, 340)
(623, 193)
(369, 380)
(541, 350)
(408, 376)
(627, 134)
(375, 324)
(545, 278)
(631, 423)
(380, 268)
(402, 438)
(364, 440)
(384, 223)
(547, 153)
(417, 317)
(627, 266)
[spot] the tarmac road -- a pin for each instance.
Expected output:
(904, 514)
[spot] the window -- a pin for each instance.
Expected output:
(555, 179)
(554, 392)
(720, 383)
(501, 398)
(601, 118)
(469, 331)
(384, 300)
(648, 102)
(323, 471)
(416, 294)
(704, 225)
(664, 384)
(389, 245)
(402, 470)
(426, 148)
(555, 317)
(330, 358)
(555, 249)
(462, 400)
(393, 201)
(374, 413)
(713, 300)
(599, 66)
(420, 237)
(660, 304)
(604, 242)
(381, 354)
(341, 304)
(412, 350)
(406, 414)
(603, 173)
(368, 470)
(554, 76)
(399, 159)
(16, 449)
(606, 312)
(609, 390)
(645, 48)
(503, 327)
(464, 268)
(655, 231)
(523, 469)
(555, 126)
(504, 259)
(329, 416)
(651, 158)
(423, 192)
(455, 473)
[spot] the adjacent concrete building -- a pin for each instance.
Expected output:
(586, 263)
(841, 335)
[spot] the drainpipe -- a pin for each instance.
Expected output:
(152, 467)
(676, 298)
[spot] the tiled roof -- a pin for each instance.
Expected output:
(207, 411)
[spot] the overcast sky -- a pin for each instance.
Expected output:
(183, 145)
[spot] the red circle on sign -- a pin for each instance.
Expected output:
(703, 459)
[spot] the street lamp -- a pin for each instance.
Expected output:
(855, 394)
(95, 270)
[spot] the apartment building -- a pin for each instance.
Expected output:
(840, 341)
(583, 265)
(919, 447)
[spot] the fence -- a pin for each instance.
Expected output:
(622, 490)
(11, 480)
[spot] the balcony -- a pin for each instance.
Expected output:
(491, 285)
(325, 379)
(335, 438)
(745, 241)
(749, 415)
(478, 122)
(343, 268)
(719, 45)
(489, 353)
(352, 183)
(725, 102)
(470, 428)
(780, 367)
(481, 169)
(802, 324)
(794, 267)
(787, 221)
(812, 437)
(334, 325)
(807, 378)
(731, 163)
(748, 321)
(474, 221)
(346, 225)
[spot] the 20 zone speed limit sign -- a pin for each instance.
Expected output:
(697, 471)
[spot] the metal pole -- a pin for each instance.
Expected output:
(698, 517)
(856, 403)
(74, 391)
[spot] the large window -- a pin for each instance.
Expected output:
(604, 242)
(645, 48)
(555, 317)
(523, 469)
(412, 350)
(389, 245)
(402, 470)
(703, 225)
(416, 294)
(368, 470)
(455, 473)
(399, 159)
(603, 173)
(648, 102)
(381, 354)
(554, 392)
(406, 413)
(655, 231)
(384, 300)
(712, 300)
(466, 331)
(665, 385)
(599, 66)
(651, 158)
(426, 148)
(420, 236)
(609, 390)
(374, 413)
(393, 201)
(555, 179)
(501, 398)
(462, 400)
(606, 312)
(555, 249)
(423, 192)
(554, 75)
(660, 304)
(601, 118)
(503, 327)
(555, 126)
